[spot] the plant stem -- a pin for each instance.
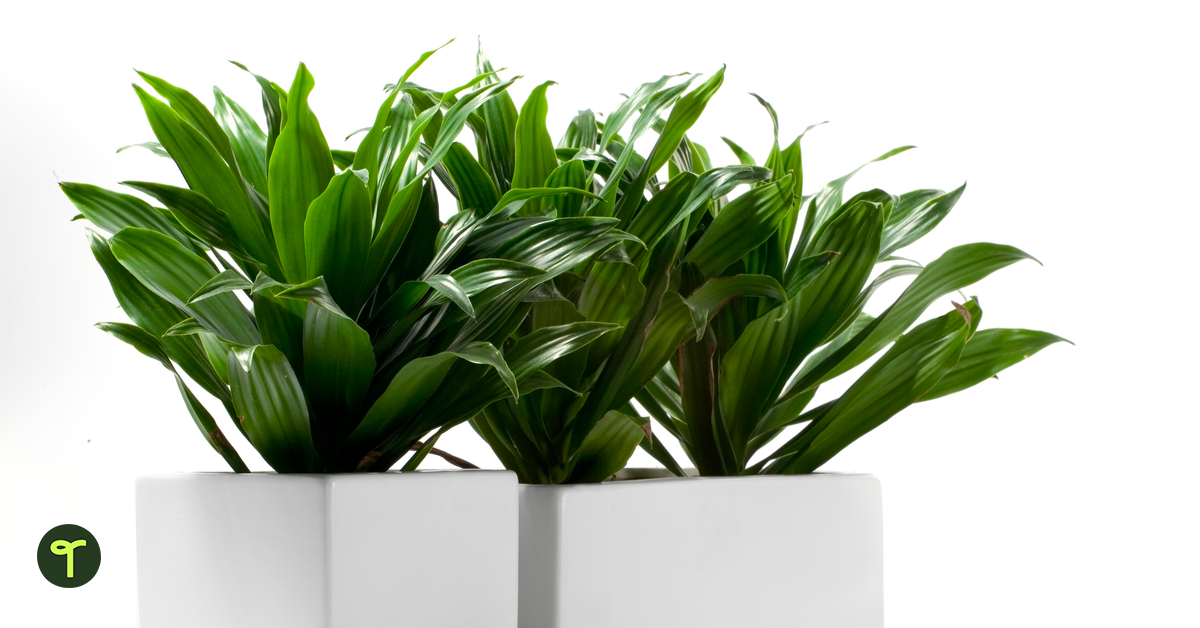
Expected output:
(447, 456)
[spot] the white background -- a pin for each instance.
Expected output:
(1063, 494)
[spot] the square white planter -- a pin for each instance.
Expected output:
(703, 552)
(424, 549)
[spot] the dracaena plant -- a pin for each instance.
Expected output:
(774, 325)
(733, 312)
(581, 426)
(314, 292)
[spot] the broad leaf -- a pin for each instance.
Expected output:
(338, 365)
(156, 315)
(535, 158)
(901, 376)
(337, 236)
(270, 404)
(113, 212)
(208, 174)
(150, 346)
(175, 274)
(989, 352)
(248, 141)
(299, 170)
(606, 449)
(743, 225)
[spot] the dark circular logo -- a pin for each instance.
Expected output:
(69, 556)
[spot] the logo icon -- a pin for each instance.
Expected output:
(69, 556)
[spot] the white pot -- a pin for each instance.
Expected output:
(424, 549)
(703, 552)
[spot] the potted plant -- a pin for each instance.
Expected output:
(733, 313)
(318, 297)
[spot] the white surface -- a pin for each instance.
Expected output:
(1063, 494)
(801, 551)
(335, 551)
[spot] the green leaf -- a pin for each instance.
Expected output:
(338, 366)
(683, 115)
(709, 298)
(476, 190)
(556, 246)
(407, 392)
(175, 274)
(891, 274)
(299, 170)
(771, 112)
(337, 237)
(743, 225)
(274, 107)
(227, 281)
(655, 101)
(756, 368)
(901, 376)
(113, 212)
(395, 123)
(247, 140)
(395, 166)
(208, 174)
(541, 380)
(699, 403)
(828, 299)
(156, 315)
(749, 372)
(582, 132)
(636, 102)
(606, 449)
(914, 216)
(342, 159)
(500, 116)
(535, 158)
(313, 291)
(139, 339)
(392, 139)
(270, 404)
(808, 269)
(401, 211)
(671, 326)
(150, 346)
(186, 327)
(739, 152)
(417, 458)
(456, 118)
(421, 61)
(448, 287)
(194, 112)
(486, 354)
(655, 447)
(956, 269)
(539, 349)
(281, 323)
(523, 195)
(197, 214)
(718, 182)
(989, 352)
(572, 174)
(612, 293)
(660, 215)
(153, 147)
(479, 275)
(829, 199)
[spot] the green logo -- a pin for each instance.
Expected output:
(69, 556)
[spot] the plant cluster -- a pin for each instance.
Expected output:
(574, 298)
